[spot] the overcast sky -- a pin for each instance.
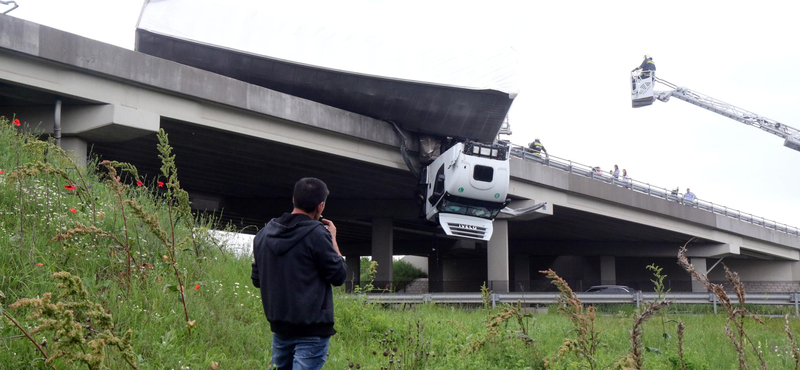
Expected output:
(574, 60)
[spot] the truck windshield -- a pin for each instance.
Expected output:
(450, 206)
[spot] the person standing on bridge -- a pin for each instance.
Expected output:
(537, 148)
(297, 260)
(615, 173)
(689, 197)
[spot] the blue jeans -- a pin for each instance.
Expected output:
(298, 353)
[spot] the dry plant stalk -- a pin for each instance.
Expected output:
(637, 346)
(681, 328)
(177, 202)
(30, 339)
(151, 221)
(736, 314)
(496, 321)
(119, 192)
(583, 323)
(634, 359)
(795, 351)
(81, 229)
(81, 329)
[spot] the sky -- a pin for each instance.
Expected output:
(573, 65)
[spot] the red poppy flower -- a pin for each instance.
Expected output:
(139, 183)
(16, 122)
(73, 210)
(2, 172)
(160, 184)
(40, 264)
(70, 187)
(197, 287)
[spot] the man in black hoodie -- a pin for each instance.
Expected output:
(296, 261)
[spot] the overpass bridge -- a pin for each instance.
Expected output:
(240, 148)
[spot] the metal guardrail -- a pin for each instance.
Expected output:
(524, 153)
(784, 299)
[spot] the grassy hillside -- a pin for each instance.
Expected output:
(171, 297)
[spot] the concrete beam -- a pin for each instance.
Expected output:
(497, 253)
(383, 250)
(712, 250)
(311, 126)
(767, 251)
(621, 249)
(96, 123)
(608, 270)
(137, 71)
(535, 181)
(522, 272)
(701, 267)
(435, 273)
(353, 271)
(406, 247)
(341, 208)
(76, 148)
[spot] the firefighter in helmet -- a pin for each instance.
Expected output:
(537, 148)
(646, 66)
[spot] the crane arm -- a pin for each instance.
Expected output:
(790, 134)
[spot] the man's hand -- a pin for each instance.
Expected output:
(330, 226)
(331, 229)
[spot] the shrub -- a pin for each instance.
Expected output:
(403, 273)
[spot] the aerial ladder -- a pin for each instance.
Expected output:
(643, 94)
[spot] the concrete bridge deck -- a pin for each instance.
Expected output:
(240, 148)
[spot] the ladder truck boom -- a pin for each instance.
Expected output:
(644, 95)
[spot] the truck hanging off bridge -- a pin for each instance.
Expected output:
(453, 99)
(643, 94)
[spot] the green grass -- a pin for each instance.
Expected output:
(230, 325)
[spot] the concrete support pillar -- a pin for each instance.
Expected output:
(700, 266)
(76, 148)
(608, 270)
(353, 271)
(435, 273)
(382, 250)
(497, 255)
(795, 270)
(522, 273)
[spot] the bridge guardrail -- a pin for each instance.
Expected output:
(526, 154)
(779, 299)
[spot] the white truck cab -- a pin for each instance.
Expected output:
(466, 188)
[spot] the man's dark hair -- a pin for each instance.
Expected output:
(309, 192)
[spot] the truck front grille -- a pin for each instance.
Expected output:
(467, 231)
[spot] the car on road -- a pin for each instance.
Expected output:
(610, 289)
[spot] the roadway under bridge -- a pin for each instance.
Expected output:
(240, 148)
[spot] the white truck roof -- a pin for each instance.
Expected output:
(290, 32)
(426, 79)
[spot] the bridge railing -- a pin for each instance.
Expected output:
(782, 299)
(579, 169)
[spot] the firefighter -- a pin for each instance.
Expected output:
(537, 148)
(646, 66)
